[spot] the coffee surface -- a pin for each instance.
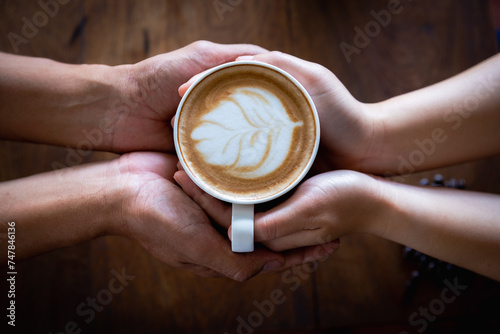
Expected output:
(246, 132)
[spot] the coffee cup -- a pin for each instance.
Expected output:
(246, 132)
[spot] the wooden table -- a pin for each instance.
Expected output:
(359, 290)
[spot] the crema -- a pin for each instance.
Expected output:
(246, 132)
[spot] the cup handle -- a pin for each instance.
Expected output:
(242, 228)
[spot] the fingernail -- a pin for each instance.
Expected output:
(246, 58)
(176, 178)
(272, 266)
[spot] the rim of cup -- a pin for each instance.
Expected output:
(209, 189)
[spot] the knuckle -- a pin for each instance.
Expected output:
(319, 70)
(202, 44)
(275, 247)
(276, 55)
(201, 198)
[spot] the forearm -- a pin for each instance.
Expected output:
(62, 104)
(461, 227)
(61, 208)
(453, 121)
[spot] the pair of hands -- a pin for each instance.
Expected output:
(173, 224)
(128, 108)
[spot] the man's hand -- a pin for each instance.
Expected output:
(173, 228)
(120, 108)
(142, 116)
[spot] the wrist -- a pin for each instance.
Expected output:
(62, 208)
(94, 195)
(380, 206)
(355, 202)
(376, 150)
(377, 198)
(127, 197)
(108, 92)
(118, 200)
(56, 103)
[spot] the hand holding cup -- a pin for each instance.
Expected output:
(246, 133)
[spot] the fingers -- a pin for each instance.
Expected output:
(315, 78)
(214, 257)
(185, 86)
(202, 271)
(304, 71)
(298, 239)
(218, 210)
(188, 240)
(241, 267)
(281, 60)
(210, 54)
(276, 223)
(305, 255)
(218, 257)
(311, 253)
(213, 54)
(162, 164)
(303, 211)
(289, 233)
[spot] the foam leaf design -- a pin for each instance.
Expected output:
(250, 132)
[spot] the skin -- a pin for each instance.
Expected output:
(120, 109)
(456, 120)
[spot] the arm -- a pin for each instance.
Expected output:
(461, 227)
(133, 196)
(116, 108)
(456, 226)
(453, 121)
(61, 208)
(49, 102)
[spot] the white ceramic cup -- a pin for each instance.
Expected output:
(242, 222)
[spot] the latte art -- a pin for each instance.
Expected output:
(248, 131)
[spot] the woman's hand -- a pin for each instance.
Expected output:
(323, 208)
(320, 245)
(460, 227)
(347, 126)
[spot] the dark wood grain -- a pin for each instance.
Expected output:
(361, 288)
